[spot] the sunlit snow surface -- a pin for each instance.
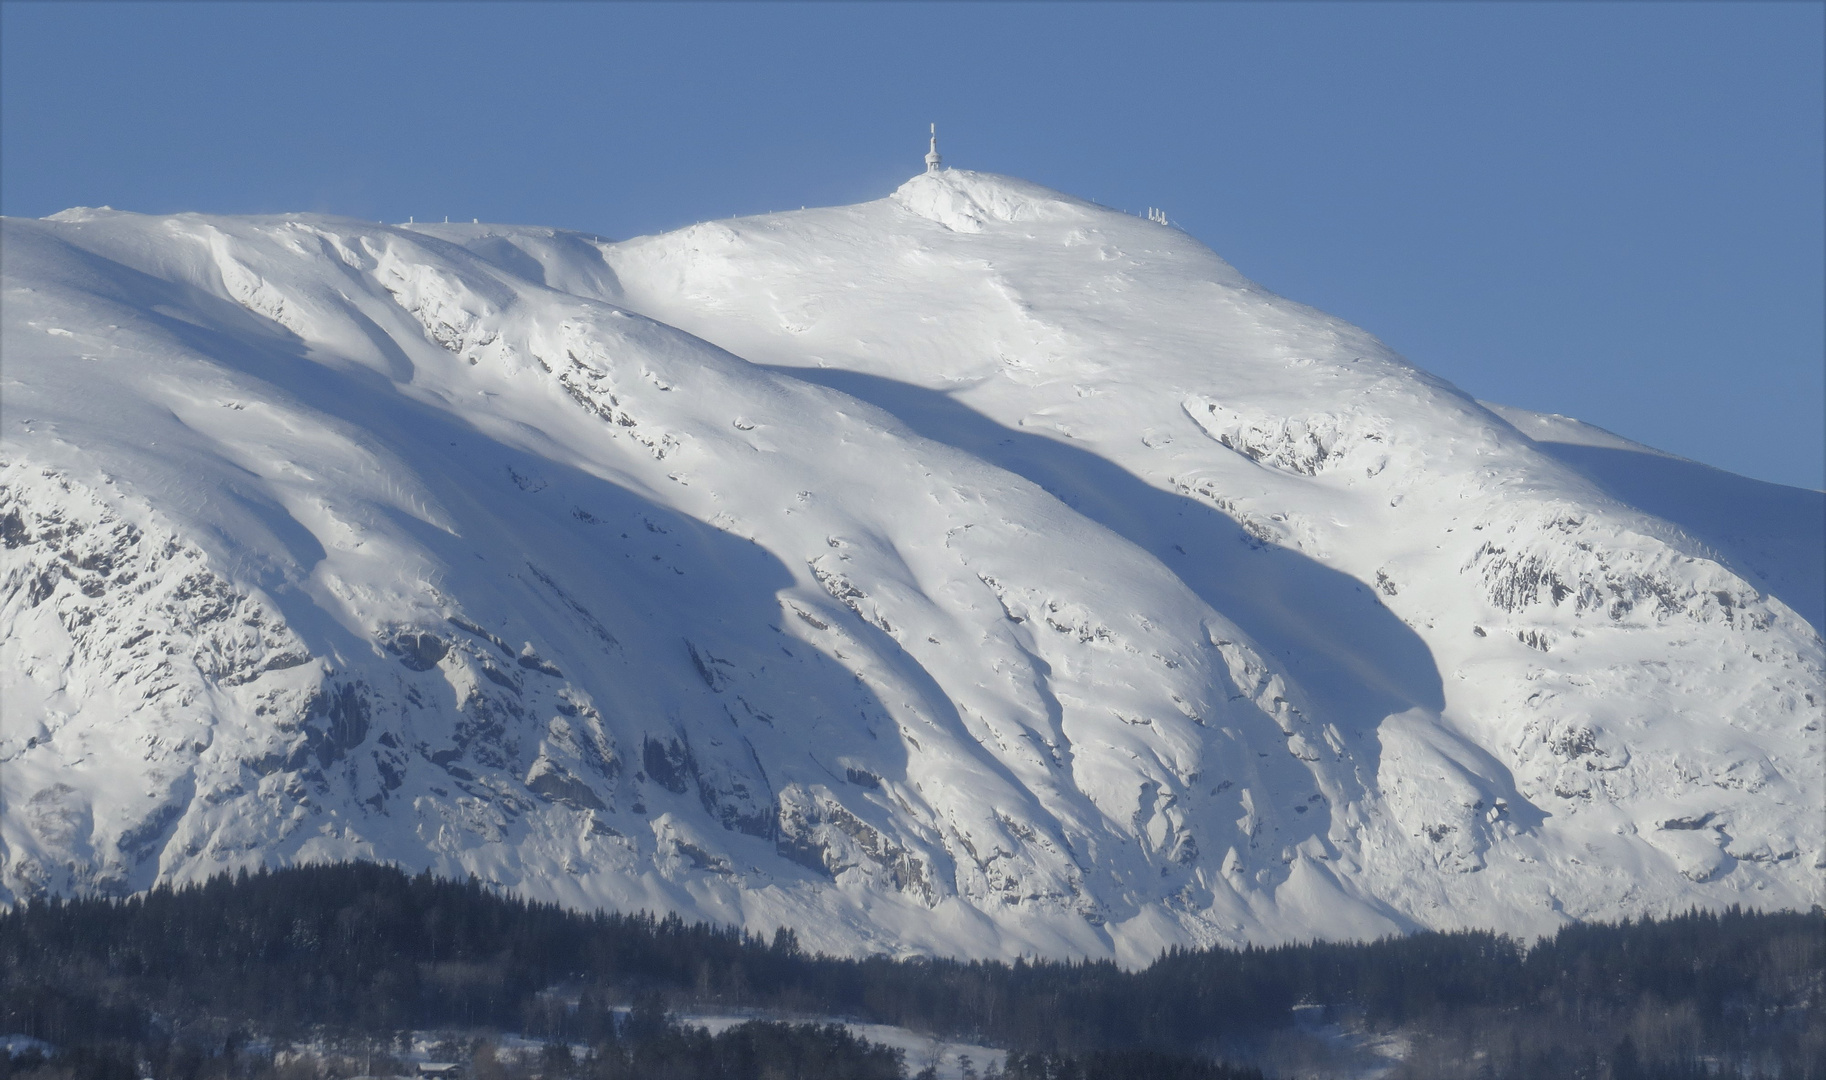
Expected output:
(975, 571)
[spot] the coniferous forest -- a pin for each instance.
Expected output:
(213, 982)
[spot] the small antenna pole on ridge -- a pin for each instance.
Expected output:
(932, 158)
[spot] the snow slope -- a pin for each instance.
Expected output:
(974, 571)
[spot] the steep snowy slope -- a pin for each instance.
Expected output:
(1774, 535)
(973, 571)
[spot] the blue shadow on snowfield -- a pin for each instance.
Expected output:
(1775, 536)
(1355, 658)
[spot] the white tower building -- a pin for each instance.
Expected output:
(932, 158)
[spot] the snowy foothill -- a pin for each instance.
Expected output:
(976, 571)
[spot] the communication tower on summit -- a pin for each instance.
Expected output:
(932, 158)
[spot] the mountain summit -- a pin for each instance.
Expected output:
(975, 571)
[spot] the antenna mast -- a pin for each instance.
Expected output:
(932, 158)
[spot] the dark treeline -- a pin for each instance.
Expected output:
(1119, 1065)
(644, 1047)
(363, 948)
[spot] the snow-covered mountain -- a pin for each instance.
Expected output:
(976, 571)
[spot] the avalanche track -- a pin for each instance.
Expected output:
(976, 571)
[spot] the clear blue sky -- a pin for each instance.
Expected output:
(1612, 211)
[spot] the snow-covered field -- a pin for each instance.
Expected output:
(949, 1060)
(975, 571)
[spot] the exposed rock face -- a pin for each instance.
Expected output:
(975, 571)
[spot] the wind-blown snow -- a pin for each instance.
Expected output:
(975, 571)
